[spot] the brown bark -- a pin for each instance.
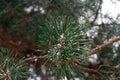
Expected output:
(102, 46)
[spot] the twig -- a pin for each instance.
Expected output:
(97, 12)
(101, 66)
(93, 51)
(35, 57)
(99, 48)
(85, 69)
(102, 46)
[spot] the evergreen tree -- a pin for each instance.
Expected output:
(51, 35)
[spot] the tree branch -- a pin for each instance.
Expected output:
(74, 61)
(99, 48)
(97, 12)
(93, 51)
(102, 46)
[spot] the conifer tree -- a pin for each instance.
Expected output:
(51, 35)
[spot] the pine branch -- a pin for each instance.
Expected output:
(99, 48)
(102, 46)
(93, 51)
(74, 61)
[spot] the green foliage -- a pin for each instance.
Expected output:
(57, 31)
(116, 60)
(10, 68)
(65, 38)
(64, 69)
